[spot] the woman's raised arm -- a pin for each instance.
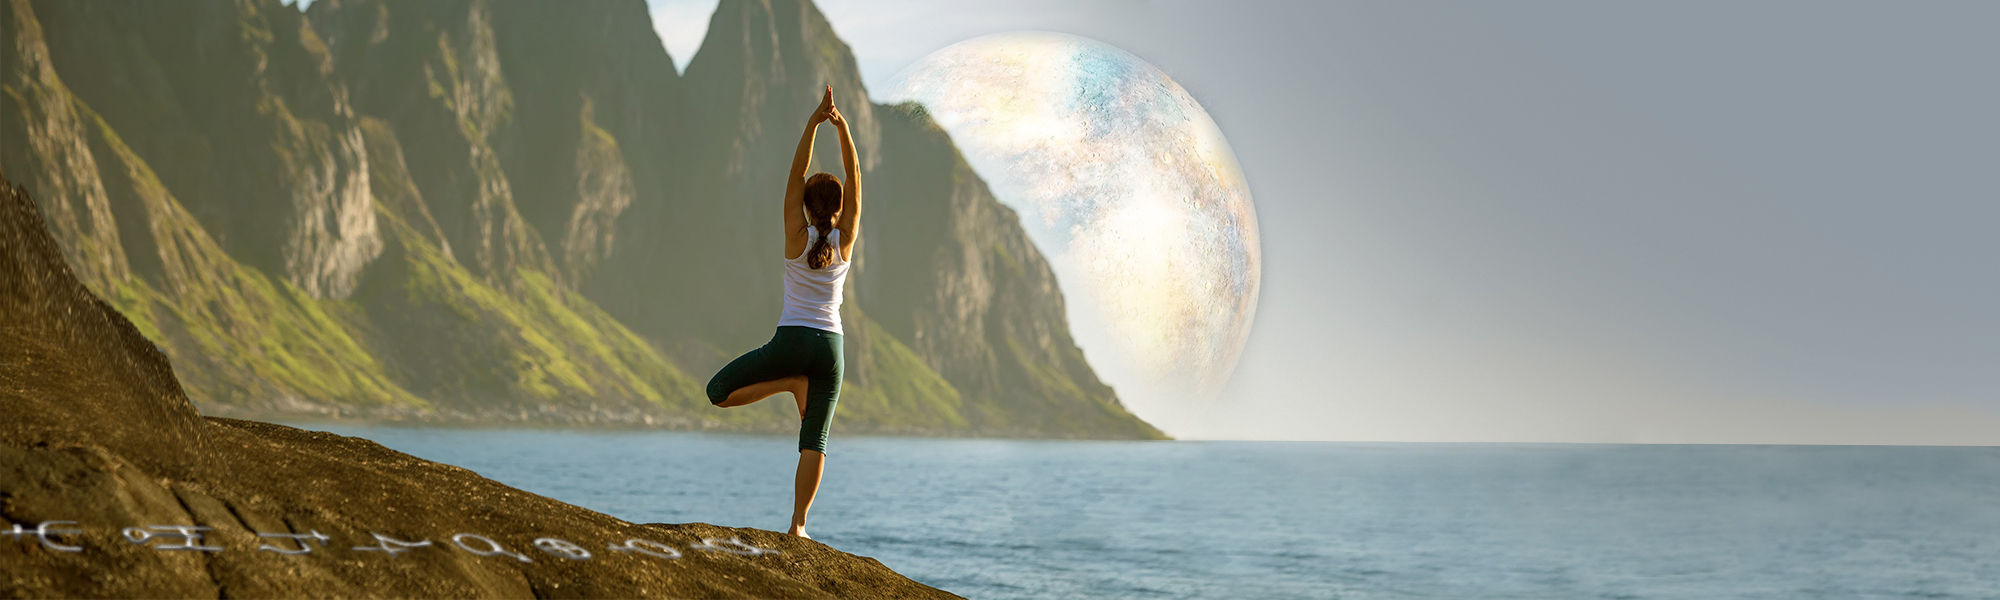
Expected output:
(850, 194)
(795, 181)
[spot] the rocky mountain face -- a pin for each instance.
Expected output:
(240, 119)
(239, 335)
(127, 492)
(509, 210)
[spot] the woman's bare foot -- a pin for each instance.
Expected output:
(812, 464)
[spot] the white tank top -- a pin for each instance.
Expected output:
(812, 297)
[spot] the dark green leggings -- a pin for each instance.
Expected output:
(793, 350)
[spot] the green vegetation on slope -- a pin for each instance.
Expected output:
(553, 349)
(889, 388)
(237, 336)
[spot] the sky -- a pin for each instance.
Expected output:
(1538, 221)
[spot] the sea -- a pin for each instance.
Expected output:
(993, 518)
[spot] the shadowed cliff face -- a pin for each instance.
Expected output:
(99, 439)
(760, 71)
(431, 69)
(241, 336)
(41, 117)
(522, 214)
(240, 119)
(580, 72)
(246, 342)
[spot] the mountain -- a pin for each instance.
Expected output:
(496, 211)
(239, 334)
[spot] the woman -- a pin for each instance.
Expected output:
(822, 222)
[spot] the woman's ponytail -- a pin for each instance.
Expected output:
(821, 252)
(822, 200)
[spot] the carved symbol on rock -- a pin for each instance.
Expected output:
(493, 548)
(299, 538)
(738, 548)
(562, 548)
(42, 532)
(390, 545)
(188, 536)
(648, 548)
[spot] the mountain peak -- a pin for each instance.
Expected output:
(769, 58)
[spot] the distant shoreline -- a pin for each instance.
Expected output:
(562, 421)
(299, 420)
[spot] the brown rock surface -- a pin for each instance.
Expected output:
(98, 433)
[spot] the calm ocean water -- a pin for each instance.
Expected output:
(1039, 519)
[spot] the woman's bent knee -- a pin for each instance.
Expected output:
(717, 390)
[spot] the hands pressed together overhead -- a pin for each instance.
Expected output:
(828, 112)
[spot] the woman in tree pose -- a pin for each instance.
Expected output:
(822, 222)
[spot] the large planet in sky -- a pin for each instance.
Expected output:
(1128, 187)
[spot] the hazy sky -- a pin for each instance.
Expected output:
(1578, 221)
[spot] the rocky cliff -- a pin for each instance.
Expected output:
(241, 335)
(123, 490)
(505, 210)
(241, 121)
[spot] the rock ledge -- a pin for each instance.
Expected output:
(113, 485)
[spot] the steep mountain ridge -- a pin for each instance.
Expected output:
(239, 119)
(237, 336)
(520, 165)
(431, 70)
